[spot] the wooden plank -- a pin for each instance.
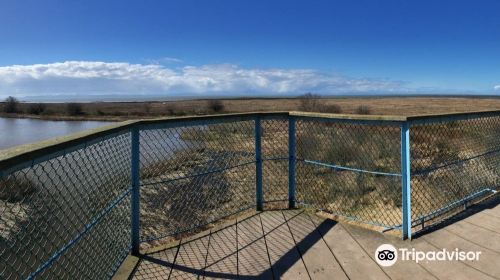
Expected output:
(480, 236)
(285, 258)
(485, 221)
(253, 260)
(156, 266)
(488, 260)
(222, 259)
(356, 263)
(191, 259)
(317, 257)
(370, 240)
(349, 116)
(126, 269)
(447, 269)
(494, 212)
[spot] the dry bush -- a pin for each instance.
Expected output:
(215, 106)
(13, 189)
(36, 108)
(74, 109)
(363, 110)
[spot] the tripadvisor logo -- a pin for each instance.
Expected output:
(387, 255)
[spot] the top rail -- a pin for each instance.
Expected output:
(30, 152)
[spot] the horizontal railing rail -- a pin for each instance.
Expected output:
(101, 193)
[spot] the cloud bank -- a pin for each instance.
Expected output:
(121, 78)
(497, 87)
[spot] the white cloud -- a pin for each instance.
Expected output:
(497, 87)
(121, 78)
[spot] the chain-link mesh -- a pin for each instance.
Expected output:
(350, 169)
(275, 162)
(192, 175)
(67, 217)
(453, 163)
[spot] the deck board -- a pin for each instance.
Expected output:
(222, 258)
(369, 241)
(285, 257)
(354, 260)
(253, 259)
(296, 244)
(319, 260)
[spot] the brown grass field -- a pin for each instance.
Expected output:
(377, 105)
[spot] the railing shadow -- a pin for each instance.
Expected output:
(263, 246)
(488, 203)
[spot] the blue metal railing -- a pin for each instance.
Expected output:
(373, 176)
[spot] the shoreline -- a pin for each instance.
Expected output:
(66, 118)
(123, 111)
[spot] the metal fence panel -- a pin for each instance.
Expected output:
(192, 175)
(350, 169)
(275, 162)
(68, 215)
(52, 214)
(453, 162)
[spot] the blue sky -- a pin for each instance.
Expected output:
(241, 47)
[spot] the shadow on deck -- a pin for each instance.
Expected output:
(294, 244)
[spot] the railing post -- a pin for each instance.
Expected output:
(405, 179)
(258, 164)
(135, 193)
(291, 162)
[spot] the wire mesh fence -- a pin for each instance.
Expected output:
(68, 215)
(194, 174)
(454, 162)
(350, 169)
(59, 216)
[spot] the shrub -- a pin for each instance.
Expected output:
(147, 108)
(36, 108)
(11, 105)
(309, 102)
(216, 106)
(333, 109)
(13, 189)
(74, 109)
(363, 110)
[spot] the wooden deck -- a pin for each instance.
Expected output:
(294, 244)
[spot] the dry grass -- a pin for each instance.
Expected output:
(347, 105)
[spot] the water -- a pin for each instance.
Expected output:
(15, 132)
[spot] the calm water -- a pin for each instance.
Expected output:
(15, 132)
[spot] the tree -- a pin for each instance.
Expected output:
(11, 104)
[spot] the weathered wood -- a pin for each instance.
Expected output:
(285, 258)
(354, 260)
(488, 260)
(370, 241)
(191, 259)
(157, 265)
(448, 269)
(319, 260)
(222, 259)
(127, 268)
(297, 245)
(481, 236)
(253, 259)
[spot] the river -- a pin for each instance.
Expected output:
(15, 132)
